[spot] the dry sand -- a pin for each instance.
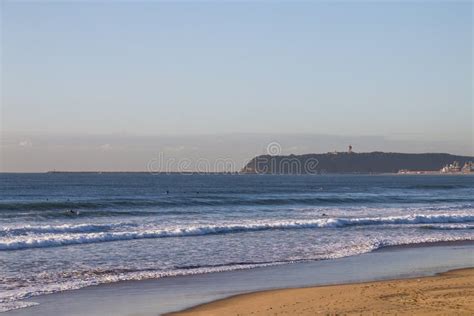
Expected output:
(450, 293)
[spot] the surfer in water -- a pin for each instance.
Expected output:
(73, 212)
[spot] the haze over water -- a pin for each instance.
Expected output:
(108, 85)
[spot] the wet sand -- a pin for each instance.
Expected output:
(449, 293)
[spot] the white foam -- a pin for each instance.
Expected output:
(63, 239)
(449, 226)
(13, 299)
(63, 228)
(8, 306)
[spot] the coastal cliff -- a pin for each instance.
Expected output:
(351, 162)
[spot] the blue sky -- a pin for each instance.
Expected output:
(400, 70)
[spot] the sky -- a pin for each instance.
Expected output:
(110, 85)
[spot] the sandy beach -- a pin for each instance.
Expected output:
(446, 293)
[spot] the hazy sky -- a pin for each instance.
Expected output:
(102, 73)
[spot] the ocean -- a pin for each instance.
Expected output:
(63, 231)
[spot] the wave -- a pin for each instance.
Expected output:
(449, 227)
(102, 276)
(64, 228)
(87, 204)
(152, 212)
(64, 239)
(8, 306)
(166, 204)
(15, 300)
(437, 186)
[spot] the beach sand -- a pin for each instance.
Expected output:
(449, 293)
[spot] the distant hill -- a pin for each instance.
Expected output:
(345, 162)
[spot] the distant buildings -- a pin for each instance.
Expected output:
(455, 167)
(468, 167)
(335, 152)
(452, 168)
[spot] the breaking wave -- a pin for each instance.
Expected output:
(64, 228)
(100, 276)
(63, 235)
(449, 227)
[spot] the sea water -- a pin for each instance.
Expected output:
(62, 231)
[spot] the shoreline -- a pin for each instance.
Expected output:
(165, 295)
(414, 295)
(444, 243)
